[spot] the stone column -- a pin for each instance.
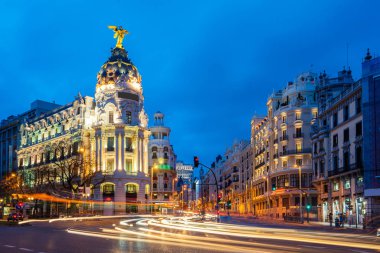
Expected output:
(116, 150)
(122, 150)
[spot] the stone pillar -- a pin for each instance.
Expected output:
(116, 150)
(136, 154)
(122, 151)
(146, 159)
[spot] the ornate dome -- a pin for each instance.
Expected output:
(118, 69)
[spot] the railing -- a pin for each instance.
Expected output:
(129, 149)
(259, 165)
(284, 138)
(292, 152)
(110, 149)
(340, 170)
(300, 135)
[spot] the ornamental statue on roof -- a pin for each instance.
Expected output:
(119, 35)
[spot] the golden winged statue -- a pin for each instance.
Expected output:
(119, 34)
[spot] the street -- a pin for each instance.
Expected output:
(174, 234)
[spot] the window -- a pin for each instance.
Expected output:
(299, 162)
(131, 188)
(128, 144)
(298, 147)
(284, 136)
(335, 119)
(110, 144)
(315, 114)
(321, 167)
(110, 165)
(346, 160)
(359, 181)
(347, 184)
(298, 132)
(110, 117)
(358, 105)
(346, 135)
(335, 162)
(284, 163)
(298, 115)
(359, 130)
(128, 117)
(315, 147)
(128, 165)
(336, 186)
(345, 113)
(284, 119)
(359, 157)
(335, 140)
(108, 188)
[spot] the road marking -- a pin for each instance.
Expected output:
(359, 251)
(9, 246)
(314, 247)
(25, 249)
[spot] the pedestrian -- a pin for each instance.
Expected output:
(330, 219)
(341, 219)
(337, 222)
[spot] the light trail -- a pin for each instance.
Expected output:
(227, 237)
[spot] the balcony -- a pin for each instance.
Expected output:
(284, 138)
(275, 156)
(131, 195)
(294, 152)
(259, 165)
(275, 141)
(128, 149)
(109, 149)
(300, 135)
(345, 169)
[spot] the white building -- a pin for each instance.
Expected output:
(162, 161)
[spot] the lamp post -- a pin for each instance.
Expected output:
(300, 188)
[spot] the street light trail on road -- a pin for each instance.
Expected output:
(225, 237)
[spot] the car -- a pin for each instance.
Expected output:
(15, 217)
(378, 232)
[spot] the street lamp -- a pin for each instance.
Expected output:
(300, 187)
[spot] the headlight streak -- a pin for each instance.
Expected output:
(177, 243)
(158, 236)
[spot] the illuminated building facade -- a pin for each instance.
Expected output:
(162, 160)
(10, 137)
(110, 131)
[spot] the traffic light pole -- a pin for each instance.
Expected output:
(196, 162)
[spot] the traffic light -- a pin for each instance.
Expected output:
(196, 161)
(219, 197)
(273, 186)
(308, 207)
(229, 204)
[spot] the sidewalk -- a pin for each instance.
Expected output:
(280, 223)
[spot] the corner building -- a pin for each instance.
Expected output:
(282, 178)
(111, 131)
(119, 136)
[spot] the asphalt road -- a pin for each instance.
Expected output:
(174, 234)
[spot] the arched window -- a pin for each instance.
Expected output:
(128, 117)
(110, 117)
(154, 186)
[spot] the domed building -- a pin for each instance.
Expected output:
(101, 144)
(119, 142)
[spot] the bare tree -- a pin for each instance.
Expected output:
(72, 169)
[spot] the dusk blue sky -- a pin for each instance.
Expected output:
(209, 66)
